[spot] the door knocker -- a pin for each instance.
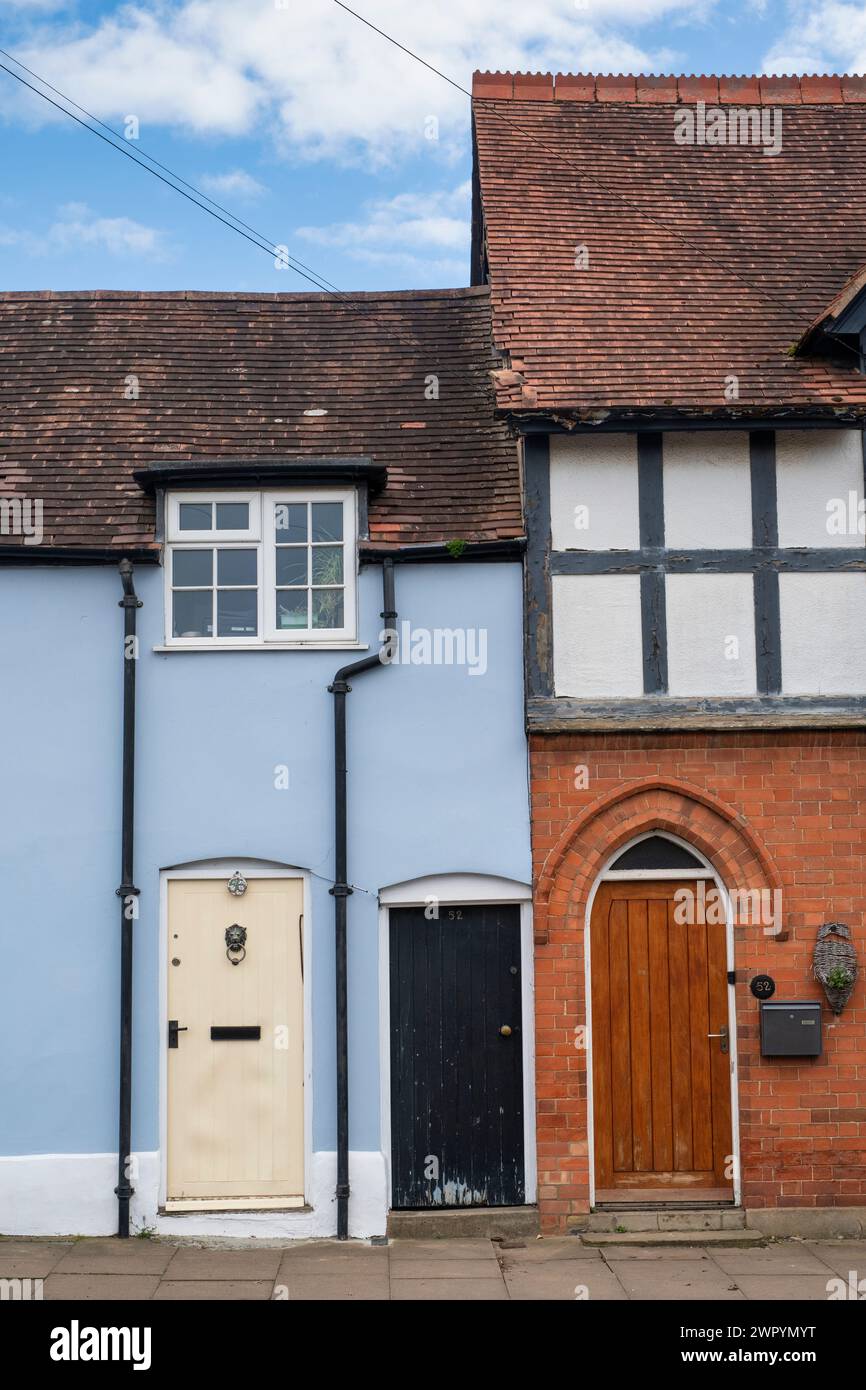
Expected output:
(235, 942)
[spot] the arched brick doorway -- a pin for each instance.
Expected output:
(568, 875)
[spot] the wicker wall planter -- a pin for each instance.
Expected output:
(835, 964)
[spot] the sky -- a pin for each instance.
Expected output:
(313, 129)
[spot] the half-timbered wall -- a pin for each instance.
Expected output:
(698, 565)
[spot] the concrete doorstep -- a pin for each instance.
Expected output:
(563, 1268)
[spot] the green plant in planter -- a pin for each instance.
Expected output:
(838, 977)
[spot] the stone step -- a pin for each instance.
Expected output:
(722, 1239)
(461, 1223)
(664, 1219)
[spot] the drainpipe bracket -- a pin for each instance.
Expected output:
(342, 1190)
(130, 601)
(341, 890)
(339, 688)
(124, 1191)
(126, 889)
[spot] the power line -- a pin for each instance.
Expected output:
(790, 305)
(257, 238)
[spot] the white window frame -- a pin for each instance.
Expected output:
(260, 536)
(269, 564)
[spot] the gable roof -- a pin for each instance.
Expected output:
(231, 377)
(705, 262)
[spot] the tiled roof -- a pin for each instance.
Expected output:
(232, 376)
(631, 271)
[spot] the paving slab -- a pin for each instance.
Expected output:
(351, 1286)
(840, 1255)
(672, 1253)
(782, 1288)
(442, 1250)
(192, 1263)
(21, 1259)
(773, 1259)
(675, 1279)
(448, 1290)
(540, 1252)
(116, 1257)
(563, 1281)
(85, 1287)
(216, 1290)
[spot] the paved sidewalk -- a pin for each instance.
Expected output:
(444, 1270)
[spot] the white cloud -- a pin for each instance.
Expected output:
(425, 234)
(318, 81)
(826, 37)
(78, 227)
(236, 184)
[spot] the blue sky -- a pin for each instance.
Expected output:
(313, 129)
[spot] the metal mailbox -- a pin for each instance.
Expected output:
(790, 1028)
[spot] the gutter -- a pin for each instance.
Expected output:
(128, 893)
(341, 890)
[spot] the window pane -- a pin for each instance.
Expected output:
(327, 608)
(236, 612)
(290, 519)
(193, 613)
(327, 521)
(191, 568)
(328, 564)
(291, 608)
(196, 516)
(233, 516)
(292, 565)
(236, 567)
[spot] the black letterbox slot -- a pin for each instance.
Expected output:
(227, 1034)
(790, 1028)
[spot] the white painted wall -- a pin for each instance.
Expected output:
(598, 473)
(814, 468)
(72, 1194)
(597, 649)
(707, 490)
(823, 633)
(711, 634)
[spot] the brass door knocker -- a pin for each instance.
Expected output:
(235, 943)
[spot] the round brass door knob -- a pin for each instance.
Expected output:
(505, 1030)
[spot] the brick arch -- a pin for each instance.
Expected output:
(695, 815)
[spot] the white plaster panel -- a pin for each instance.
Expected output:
(707, 490)
(823, 634)
(597, 635)
(598, 475)
(819, 478)
(711, 634)
(72, 1194)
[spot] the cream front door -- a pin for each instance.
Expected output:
(236, 1034)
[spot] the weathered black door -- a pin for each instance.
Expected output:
(456, 1058)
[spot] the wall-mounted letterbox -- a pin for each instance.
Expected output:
(790, 1029)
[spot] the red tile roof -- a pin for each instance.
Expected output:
(230, 376)
(705, 262)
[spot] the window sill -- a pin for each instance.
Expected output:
(262, 647)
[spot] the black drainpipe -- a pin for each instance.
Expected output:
(127, 892)
(340, 688)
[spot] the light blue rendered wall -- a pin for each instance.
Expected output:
(437, 784)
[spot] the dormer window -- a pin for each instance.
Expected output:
(259, 568)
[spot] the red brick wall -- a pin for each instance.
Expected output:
(769, 810)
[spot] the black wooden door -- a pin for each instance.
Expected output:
(456, 1058)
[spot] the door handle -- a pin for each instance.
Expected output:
(723, 1034)
(173, 1029)
(506, 1030)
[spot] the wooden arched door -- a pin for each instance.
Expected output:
(661, 1046)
